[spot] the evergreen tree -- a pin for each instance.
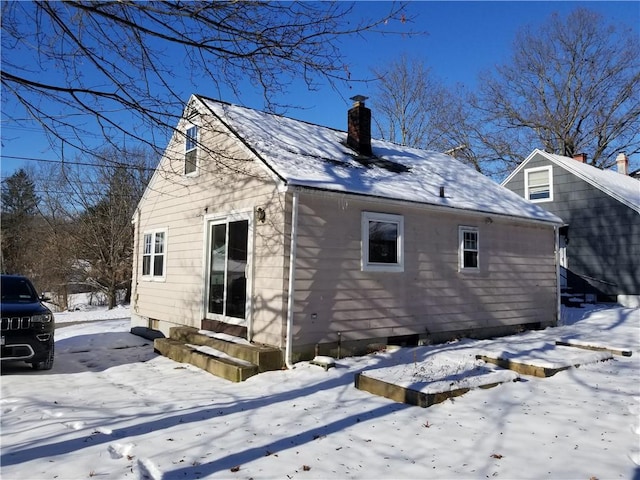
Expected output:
(19, 195)
(19, 214)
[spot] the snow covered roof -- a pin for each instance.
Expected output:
(313, 156)
(623, 188)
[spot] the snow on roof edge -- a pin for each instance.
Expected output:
(551, 219)
(600, 181)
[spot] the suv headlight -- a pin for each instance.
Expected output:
(46, 318)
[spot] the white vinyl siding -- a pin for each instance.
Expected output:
(382, 242)
(182, 202)
(538, 184)
(335, 298)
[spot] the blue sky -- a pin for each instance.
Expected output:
(461, 40)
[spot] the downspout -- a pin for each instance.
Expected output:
(556, 231)
(134, 276)
(292, 274)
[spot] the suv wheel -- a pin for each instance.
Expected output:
(46, 364)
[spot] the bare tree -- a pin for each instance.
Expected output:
(414, 108)
(80, 67)
(55, 260)
(572, 86)
(89, 212)
(408, 103)
(466, 135)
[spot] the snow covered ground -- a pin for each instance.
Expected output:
(112, 409)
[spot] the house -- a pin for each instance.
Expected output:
(314, 241)
(601, 208)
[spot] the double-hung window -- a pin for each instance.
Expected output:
(382, 242)
(154, 255)
(469, 249)
(538, 184)
(191, 151)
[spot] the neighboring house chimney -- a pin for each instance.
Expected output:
(622, 162)
(359, 127)
(581, 157)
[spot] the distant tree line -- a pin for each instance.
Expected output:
(69, 226)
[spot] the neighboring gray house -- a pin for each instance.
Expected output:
(310, 239)
(601, 209)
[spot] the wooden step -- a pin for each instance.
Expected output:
(264, 357)
(228, 368)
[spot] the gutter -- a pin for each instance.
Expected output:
(292, 274)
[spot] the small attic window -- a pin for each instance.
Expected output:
(191, 151)
(538, 184)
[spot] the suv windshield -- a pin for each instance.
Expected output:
(17, 290)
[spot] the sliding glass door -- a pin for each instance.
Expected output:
(228, 257)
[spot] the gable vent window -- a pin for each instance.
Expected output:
(469, 248)
(382, 242)
(191, 151)
(538, 184)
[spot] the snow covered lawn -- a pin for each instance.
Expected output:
(112, 409)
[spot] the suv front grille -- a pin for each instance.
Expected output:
(16, 323)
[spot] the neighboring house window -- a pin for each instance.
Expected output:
(191, 151)
(469, 248)
(382, 242)
(538, 184)
(154, 254)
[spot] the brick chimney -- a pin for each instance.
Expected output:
(359, 127)
(622, 163)
(580, 157)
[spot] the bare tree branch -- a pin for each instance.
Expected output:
(572, 86)
(81, 66)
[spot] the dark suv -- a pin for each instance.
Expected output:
(27, 325)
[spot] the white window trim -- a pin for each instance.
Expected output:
(549, 169)
(461, 231)
(151, 277)
(382, 267)
(197, 142)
